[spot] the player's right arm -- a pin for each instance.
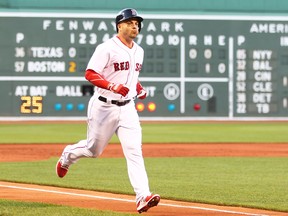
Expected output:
(99, 81)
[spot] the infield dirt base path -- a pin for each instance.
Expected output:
(125, 203)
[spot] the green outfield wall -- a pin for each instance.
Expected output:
(247, 6)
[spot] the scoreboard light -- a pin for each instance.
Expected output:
(197, 107)
(151, 106)
(81, 107)
(140, 106)
(69, 106)
(171, 107)
(58, 106)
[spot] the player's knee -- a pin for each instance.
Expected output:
(95, 153)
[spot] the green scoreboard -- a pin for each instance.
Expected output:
(195, 66)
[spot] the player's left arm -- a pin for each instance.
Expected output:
(141, 93)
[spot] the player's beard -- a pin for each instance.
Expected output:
(133, 37)
(129, 34)
(133, 34)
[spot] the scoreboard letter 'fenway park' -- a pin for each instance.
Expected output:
(195, 66)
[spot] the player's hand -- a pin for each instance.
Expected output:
(118, 89)
(141, 93)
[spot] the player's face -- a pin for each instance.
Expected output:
(129, 29)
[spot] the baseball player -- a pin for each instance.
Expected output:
(114, 69)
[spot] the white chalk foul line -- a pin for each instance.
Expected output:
(128, 200)
(211, 209)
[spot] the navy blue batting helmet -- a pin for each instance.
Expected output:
(126, 14)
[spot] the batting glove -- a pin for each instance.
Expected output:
(141, 93)
(118, 89)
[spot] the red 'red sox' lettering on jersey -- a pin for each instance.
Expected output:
(138, 67)
(125, 66)
(121, 66)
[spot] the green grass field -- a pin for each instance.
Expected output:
(262, 132)
(12, 208)
(238, 181)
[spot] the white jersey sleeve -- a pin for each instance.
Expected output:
(99, 59)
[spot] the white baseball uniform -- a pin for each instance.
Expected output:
(116, 63)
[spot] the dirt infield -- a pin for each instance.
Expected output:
(25, 152)
(124, 203)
